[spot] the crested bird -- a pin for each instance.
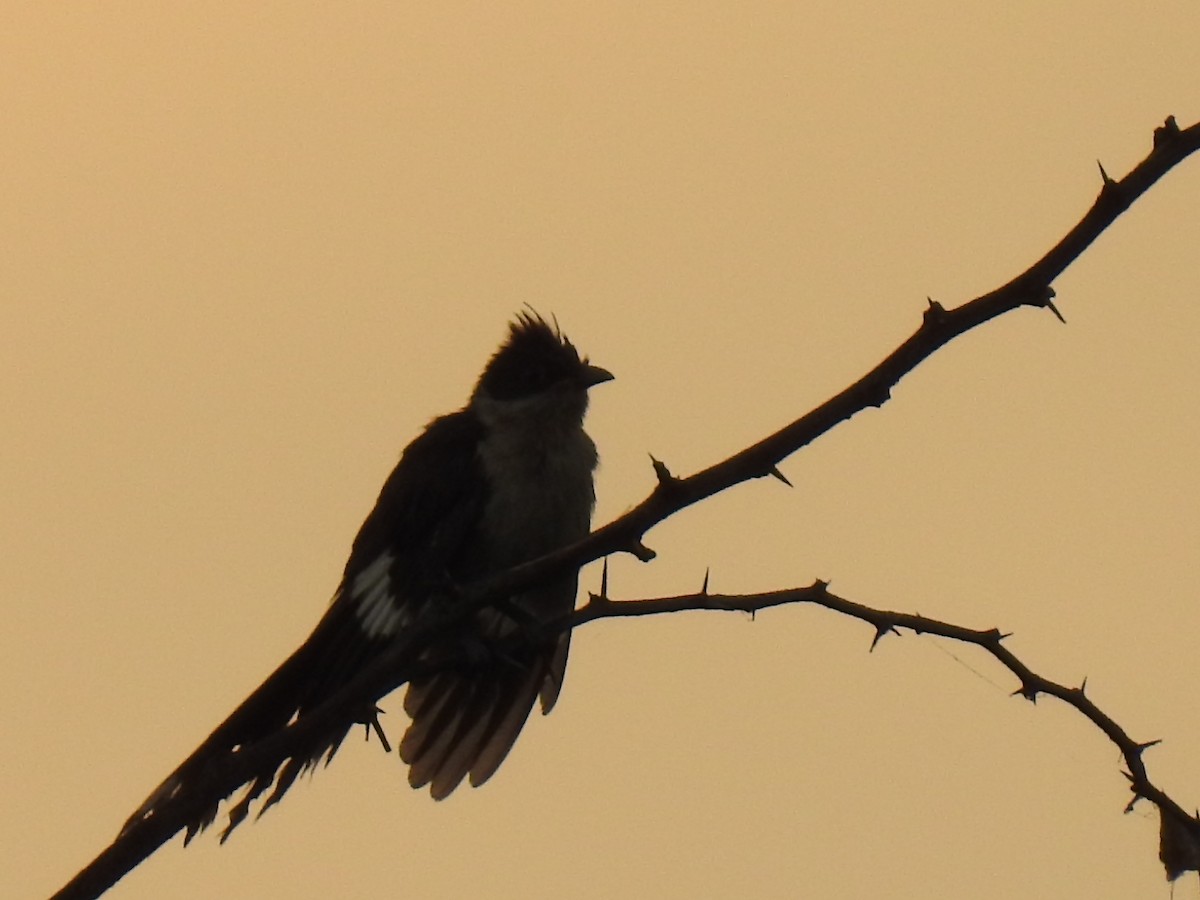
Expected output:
(502, 481)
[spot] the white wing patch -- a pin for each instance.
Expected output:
(374, 600)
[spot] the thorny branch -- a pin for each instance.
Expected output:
(1180, 849)
(1179, 843)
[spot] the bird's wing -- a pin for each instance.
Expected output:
(417, 536)
(417, 544)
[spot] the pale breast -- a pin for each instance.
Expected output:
(541, 494)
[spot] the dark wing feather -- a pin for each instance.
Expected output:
(425, 518)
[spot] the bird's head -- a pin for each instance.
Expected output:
(537, 375)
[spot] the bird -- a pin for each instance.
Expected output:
(502, 481)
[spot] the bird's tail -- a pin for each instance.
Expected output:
(465, 722)
(300, 684)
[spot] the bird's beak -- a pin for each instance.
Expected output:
(594, 375)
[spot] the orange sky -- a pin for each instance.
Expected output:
(249, 250)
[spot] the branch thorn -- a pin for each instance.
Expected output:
(881, 631)
(641, 551)
(1167, 131)
(1046, 299)
(774, 470)
(378, 729)
(935, 312)
(1129, 807)
(1028, 691)
(1146, 745)
(662, 473)
(704, 587)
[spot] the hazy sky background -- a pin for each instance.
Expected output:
(250, 249)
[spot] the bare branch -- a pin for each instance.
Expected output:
(1179, 847)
